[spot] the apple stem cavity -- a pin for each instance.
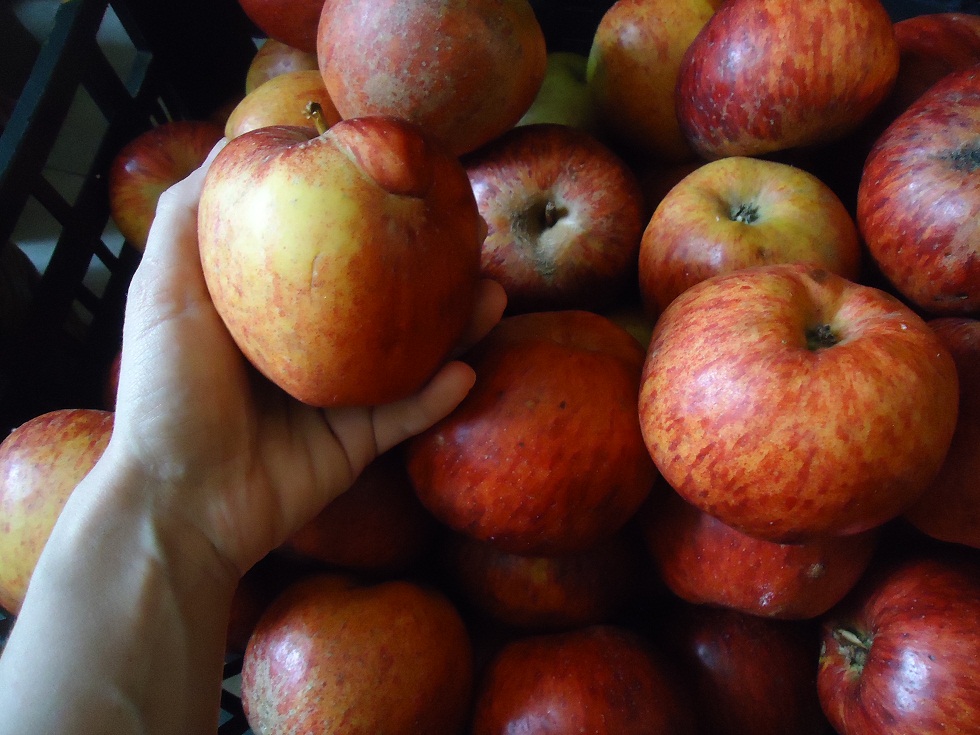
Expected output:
(746, 212)
(820, 337)
(314, 111)
(854, 647)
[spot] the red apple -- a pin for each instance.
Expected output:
(749, 675)
(345, 265)
(763, 77)
(331, 655)
(149, 164)
(949, 509)
(900, 657)
(378, 525)
(632, 72)
(545, 592)
(918, 203)
(283, 100)
(564, 217)
(704, 561)
(293, 22)
(779, 399)
(544, 455)
(602, 680)
(274, 58)
(738, 212)
(465, 72)
(41, 462)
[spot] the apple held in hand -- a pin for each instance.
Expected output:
(790, 403)
(632, 73)
(770, 75)
(704, 561)
(149, 164)
(950, 509)
(41, 462)
(739, 212)
(564, 218)
(900, 657)
(464, 71)
(345, 265)
(602, 680)
(544, 456)
(283, 100)
(918, 203)
(333, 656)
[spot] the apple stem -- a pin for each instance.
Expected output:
(552, 213)
(314, 111)
(745, 213)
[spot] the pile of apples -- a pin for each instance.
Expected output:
(718, 470)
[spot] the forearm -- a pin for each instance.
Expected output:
(140, 602)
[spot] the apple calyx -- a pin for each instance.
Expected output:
(967, 158)
(314, 112)
(854, 648)
(746, 212)
(820, 337)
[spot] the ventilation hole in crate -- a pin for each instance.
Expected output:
(97, 276)
(117, 45)
(74, 151)
(36, 232)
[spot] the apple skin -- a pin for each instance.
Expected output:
(918, 202)
(465, 72)
(545, 593)
(899, 657)
(632, 72)
(41, 463)
(332, 655)
(564, 97)
(778, 399)
(762, 78)
(564, 218)
(282, 100)
(739, 212)
(377, 526)
(603, 680)
(274, 58)
(292, 22)
(149, 164)
(749, 675)
(703, 561)
(345, 265)
(547, 443)
(949, 509)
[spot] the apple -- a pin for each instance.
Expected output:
(749, 675)
(633, 65)
(282, 100)
(704, 561)
(376, 526)
(292, 22)
(274, 58)
(41, 462)
(333, 655)
(949, 509)
(603, 680)
(148, 165)
(345, 264)
(564, 218)
(779, 399)
(900, 656)
(564, 97)
(763, 77)
(465, 72)
(918, 202)
(545, 593)
(738, 212)
(544, 456)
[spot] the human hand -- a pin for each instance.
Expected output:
(235, 458)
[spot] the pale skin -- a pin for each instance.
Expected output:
(208, 469)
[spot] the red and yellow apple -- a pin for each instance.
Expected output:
(781, 399)
(283, 100)
(274, 58)
(465, 72)
(346, 264)
(739, 212)
(292, 22)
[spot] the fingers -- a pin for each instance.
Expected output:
(491, 300)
